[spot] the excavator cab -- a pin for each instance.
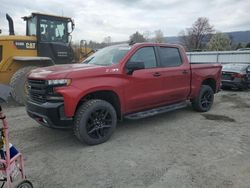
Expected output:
(53, 36)
(46, 43)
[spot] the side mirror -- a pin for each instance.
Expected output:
(71, 25)
(132, 66)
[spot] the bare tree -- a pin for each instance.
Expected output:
(185, 39)
(195, 37)
(219, 42)
(159, 38)
(147, 35)
(107, 40)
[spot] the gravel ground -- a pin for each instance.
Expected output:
(180, 149)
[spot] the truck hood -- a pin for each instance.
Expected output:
(61, 71)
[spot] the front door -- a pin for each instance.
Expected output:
(145, 86)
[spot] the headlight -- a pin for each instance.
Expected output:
(60, 82)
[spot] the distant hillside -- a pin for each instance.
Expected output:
(239, 36)
(236, 36)
(172, 39)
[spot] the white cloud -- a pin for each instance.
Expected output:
(120, 18)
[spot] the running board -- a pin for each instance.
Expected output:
(155, 111)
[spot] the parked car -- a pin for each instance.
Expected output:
(122, 81)
(243, 49)
(236, 76)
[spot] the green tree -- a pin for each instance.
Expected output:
(248, 45)
(239, 46)
(219, 42)
(159, 38)
(137, 37)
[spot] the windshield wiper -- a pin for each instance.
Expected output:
(101, 64)
(87, 61)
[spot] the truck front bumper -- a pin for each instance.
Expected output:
(49, 114)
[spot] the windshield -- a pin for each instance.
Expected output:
(53, 31)
(108, 56)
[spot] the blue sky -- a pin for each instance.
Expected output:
(96, 20)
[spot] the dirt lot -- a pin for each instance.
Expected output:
(181, 149)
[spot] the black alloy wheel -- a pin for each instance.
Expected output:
(204, 101)
(99, 123)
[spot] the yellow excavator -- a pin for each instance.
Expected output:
(47, 42)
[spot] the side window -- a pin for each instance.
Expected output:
(32, 23)
(146, 55)
(170, 57)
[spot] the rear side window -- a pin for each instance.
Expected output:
(146, 55)
(170, 57)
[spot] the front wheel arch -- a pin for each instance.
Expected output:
(109, 96)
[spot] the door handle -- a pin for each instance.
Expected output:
(185, 72)
(156, 74)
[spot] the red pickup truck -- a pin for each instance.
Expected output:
(121, 81)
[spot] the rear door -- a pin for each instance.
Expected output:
(144, 89)
(176, 74)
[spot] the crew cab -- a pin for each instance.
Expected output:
(117, 82)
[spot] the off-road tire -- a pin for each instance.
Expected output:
(200, 100)
(83, 119)
(17, 84)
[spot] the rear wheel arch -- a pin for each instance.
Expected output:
(210, 82)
